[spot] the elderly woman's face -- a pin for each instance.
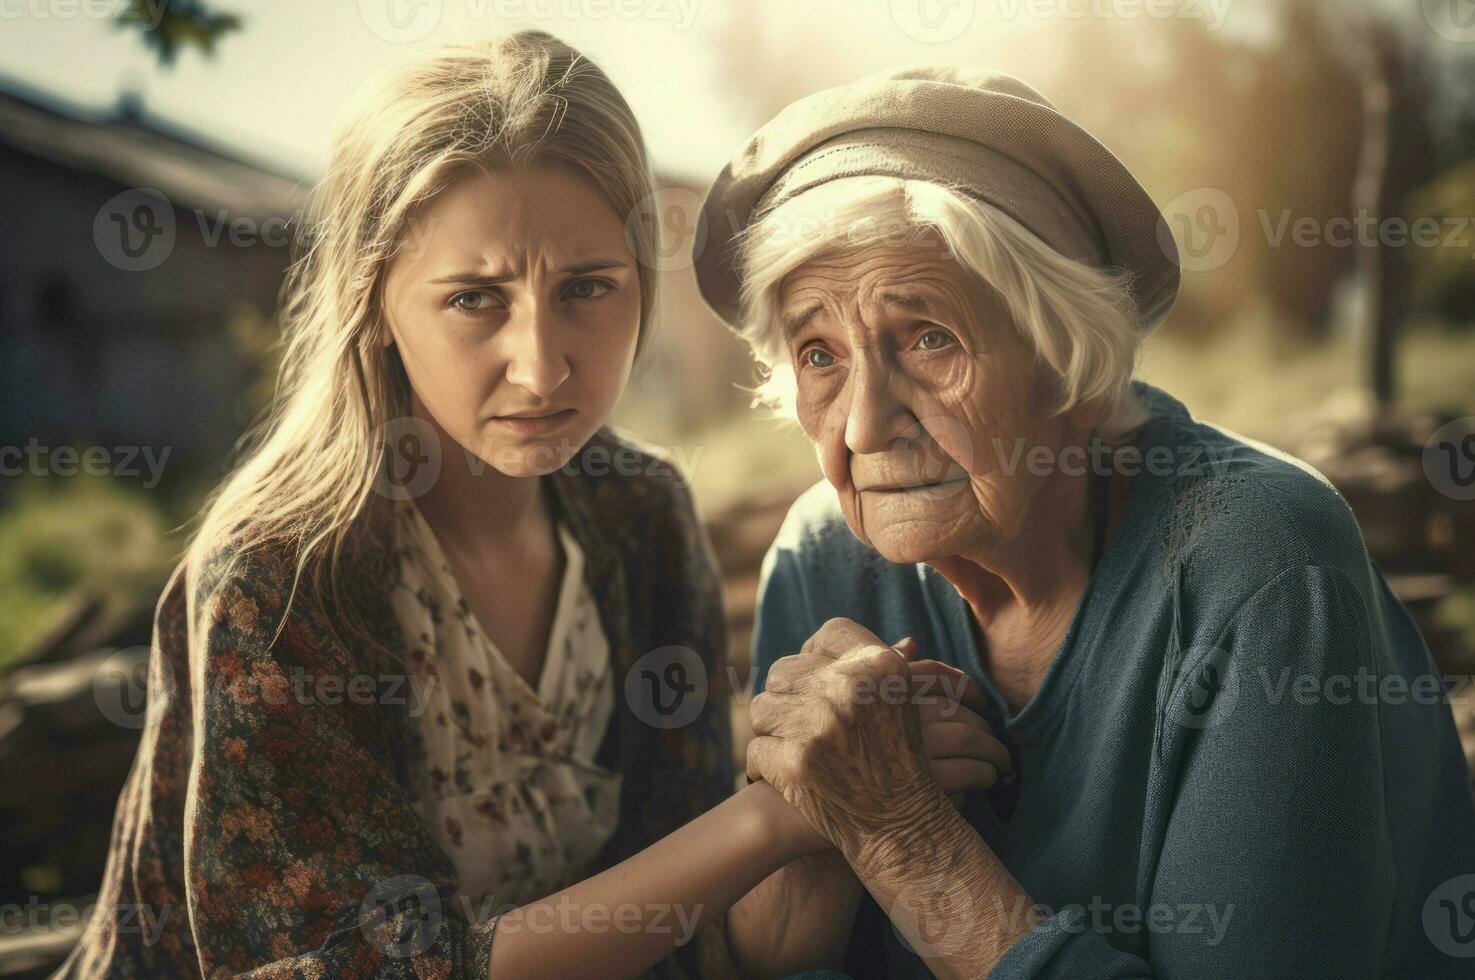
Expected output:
(920, 396)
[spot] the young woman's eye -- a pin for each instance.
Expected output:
(817, 357)
(472, 301)
(934, 340)
(587, 289)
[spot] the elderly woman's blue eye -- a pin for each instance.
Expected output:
(935, 340)
(817, 357)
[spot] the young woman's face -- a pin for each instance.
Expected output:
(514, 300)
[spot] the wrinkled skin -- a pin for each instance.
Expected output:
(910, 374)
(922, 400)
(836, 734)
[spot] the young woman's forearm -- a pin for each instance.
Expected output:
(621, 921)
(799, 918)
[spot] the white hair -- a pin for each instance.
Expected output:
(1080, 320)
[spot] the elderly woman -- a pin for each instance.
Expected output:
(1219, 760)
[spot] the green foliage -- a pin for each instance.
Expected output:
(1444, 275)
(1457, 612)
(167, 26)
(58, 535)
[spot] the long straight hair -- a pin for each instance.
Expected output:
(308, 468)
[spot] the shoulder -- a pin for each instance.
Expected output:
(252, 602)
(628, 501)
(1238, 513)
(812, 545)
(620, 477)
(1264, 555)
(814, 532)
(231, 578)
(818, 561)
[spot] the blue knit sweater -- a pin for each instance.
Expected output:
(1241, 762)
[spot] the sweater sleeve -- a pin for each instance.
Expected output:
(302, 854)
(1275, 859)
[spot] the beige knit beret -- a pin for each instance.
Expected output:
(984, 132)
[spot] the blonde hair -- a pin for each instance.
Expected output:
(513, 102)
(1078, 319)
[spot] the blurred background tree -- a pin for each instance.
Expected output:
(181, 24)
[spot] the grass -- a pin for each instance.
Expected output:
(58, 535)
(1256, 383)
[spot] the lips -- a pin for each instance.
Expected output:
(913, 488)
(535, 424)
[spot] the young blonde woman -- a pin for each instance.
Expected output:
(388, 722)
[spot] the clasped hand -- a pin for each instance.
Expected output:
(864, 740)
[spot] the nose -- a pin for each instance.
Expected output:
(877, 416)
(534, 351)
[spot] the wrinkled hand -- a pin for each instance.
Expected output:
(836, 734)
(959, 741)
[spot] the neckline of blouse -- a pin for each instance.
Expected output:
(549, 671)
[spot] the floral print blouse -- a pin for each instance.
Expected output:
(512, 792)
(268, 827)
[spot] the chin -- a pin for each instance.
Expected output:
(530, 458)
(908, 545)
(912, 528)
(529, 466)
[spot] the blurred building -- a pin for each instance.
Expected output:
(122, 343)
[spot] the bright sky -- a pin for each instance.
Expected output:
(273, 87)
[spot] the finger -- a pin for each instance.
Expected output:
(961, 775)
(765, 760)
(785, 675)
(907, 647)
(776, 714)
(932, 710)
(841, 637)
(949, 682)
(952, 740)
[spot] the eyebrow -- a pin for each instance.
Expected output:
(792, 323)
(911, 302)
(577, 269)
